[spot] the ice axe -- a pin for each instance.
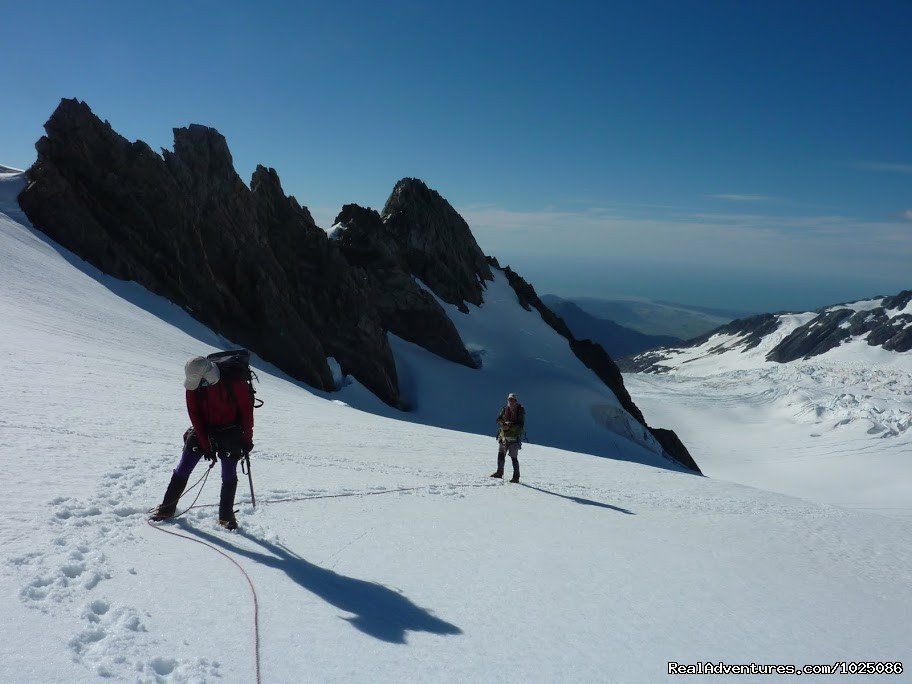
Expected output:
(245, 468)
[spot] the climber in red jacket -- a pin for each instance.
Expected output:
(222, 417)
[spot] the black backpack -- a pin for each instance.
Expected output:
(235, 363)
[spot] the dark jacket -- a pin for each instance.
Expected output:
(220, 405)
(517, 420)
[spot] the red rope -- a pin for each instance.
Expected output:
(256, 605)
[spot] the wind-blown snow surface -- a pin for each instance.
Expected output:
(834, 428)
(592, 570)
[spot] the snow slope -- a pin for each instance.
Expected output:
(566, 403)
(592, 570)
(832, 432)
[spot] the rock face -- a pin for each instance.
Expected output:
(597, 360)
(248, 262)
(812, 339)
(405, 308)
(752, 329)
(436, 243)
(837, 325)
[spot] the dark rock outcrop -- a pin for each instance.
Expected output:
(248, 262)
(901, 340)
(813, 338)
(405, 308)
(675, 448)
(597, 360)
(833, 326)
(752, 329)
(436, 243)
(646, 362)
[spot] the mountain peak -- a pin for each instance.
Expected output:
(437, 243)
(203, 146)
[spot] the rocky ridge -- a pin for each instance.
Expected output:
(251, 264)
(881, 322)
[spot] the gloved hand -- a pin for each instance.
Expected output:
(248, 447)
(209, 455)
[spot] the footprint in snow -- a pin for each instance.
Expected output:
(113, 639)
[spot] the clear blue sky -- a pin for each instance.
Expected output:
(755, 155)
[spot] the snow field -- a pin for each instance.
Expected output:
(592, 569)
(834, 430)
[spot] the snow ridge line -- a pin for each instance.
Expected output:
(256, 605)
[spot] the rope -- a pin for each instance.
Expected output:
(205, 477)
(256, 604)
(187, 491)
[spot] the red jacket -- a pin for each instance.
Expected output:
(221, 405)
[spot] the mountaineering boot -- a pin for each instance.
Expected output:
(500, 465)
(515, 477)
(226, 504)
(169, 503)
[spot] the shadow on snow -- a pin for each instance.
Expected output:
(580, 500)
(378, 611)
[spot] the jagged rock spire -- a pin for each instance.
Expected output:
(437, 243)
(250, 264)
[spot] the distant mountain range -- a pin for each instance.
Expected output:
(653, 317)
(616, 339)
(853, 330)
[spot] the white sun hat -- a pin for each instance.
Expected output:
(198, 369)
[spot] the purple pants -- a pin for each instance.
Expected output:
(190, 458)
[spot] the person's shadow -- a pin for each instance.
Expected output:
(580, 500)
(378, 611)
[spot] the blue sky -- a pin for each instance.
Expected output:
(750, 155)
